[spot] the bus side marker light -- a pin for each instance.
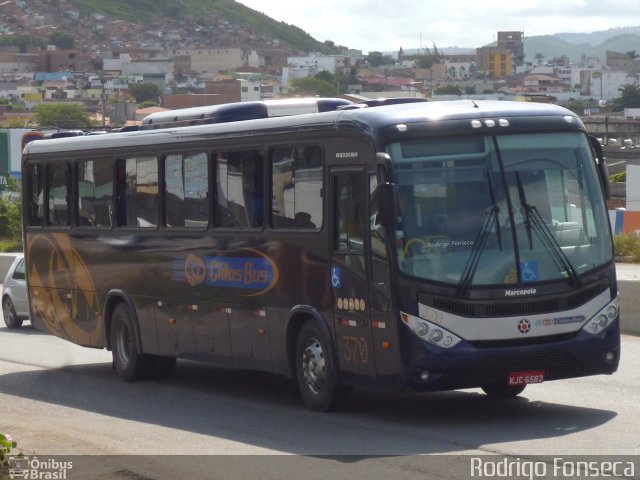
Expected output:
(262, 331)
(386, 345)
(172, 321)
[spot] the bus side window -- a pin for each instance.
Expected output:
(137, 192)
(95, 193)
(296, 179)
(121, 193)
(349, 200)
(35, 195)
(58, 194)
(240, 190)
(186, 192)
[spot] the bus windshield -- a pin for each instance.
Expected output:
(499, 210)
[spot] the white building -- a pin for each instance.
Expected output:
(214, 60)
(317, 62)
(249, 90)
(292, 73)
(602, 84)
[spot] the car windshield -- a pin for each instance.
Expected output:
(499, 210)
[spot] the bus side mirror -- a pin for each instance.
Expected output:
(387, 204)
(601, 165)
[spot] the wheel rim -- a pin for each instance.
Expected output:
(313, 366)
(7, 312)
(123, 342)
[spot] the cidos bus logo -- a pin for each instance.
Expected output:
(195, 270)
(247, 269)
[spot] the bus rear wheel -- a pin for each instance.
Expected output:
(315, 371)
(503, 391)
(127, 362)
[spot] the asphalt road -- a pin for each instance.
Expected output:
(60, 399)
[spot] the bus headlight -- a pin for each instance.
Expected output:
(603, 318)
(430, 332)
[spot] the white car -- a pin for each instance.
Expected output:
(15, 309)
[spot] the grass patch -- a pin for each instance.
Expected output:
(10, 245)
(627, 248)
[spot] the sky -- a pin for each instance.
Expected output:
(387, 25)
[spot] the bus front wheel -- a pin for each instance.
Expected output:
(127, 362)
(315, 370)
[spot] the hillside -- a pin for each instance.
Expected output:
(577, 45)
(194, 15)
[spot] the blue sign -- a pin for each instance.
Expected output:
(529, 271)
(336, 277)
(256, 272)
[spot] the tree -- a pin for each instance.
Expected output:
(312, 86)
(326, 76)
(430, 57)
(449, 90)
(145, 91)
(61, 40)
(376, 59)
(629, 97)
(62, 115)
(10, 212)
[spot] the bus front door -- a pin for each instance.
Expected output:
(348, 276)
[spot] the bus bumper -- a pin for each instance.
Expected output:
(469, 366)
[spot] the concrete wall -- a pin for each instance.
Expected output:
(629, 292)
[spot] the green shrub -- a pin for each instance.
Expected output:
(10, 221)
(7, 444)
(618, 177)
(627, 248)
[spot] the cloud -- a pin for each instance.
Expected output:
(385, 26)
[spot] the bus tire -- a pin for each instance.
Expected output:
(11, 319)
(127, 362)
(503, 391)
(315, 370)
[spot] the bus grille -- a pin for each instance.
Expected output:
(491, 308)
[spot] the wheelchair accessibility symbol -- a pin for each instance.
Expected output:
(529, 271)
(336, 275)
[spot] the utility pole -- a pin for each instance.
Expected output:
(103, 99)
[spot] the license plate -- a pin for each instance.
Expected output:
(525, 378)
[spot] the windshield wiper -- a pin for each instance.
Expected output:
(535, 220)
(491, 218)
